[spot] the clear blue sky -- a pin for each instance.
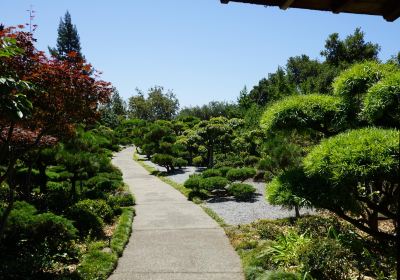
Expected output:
(201, 49)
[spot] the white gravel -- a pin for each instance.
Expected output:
(234, 212)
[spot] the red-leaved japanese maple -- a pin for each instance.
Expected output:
(60, 94)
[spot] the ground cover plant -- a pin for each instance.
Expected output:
(310, 247)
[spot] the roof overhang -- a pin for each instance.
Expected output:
(389, 9)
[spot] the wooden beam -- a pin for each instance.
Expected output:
(339, 6)
(224, 1)
(286, 4)
(392, 11)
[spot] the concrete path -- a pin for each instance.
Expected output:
(172, 238)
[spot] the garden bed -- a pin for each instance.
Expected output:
(232, 211)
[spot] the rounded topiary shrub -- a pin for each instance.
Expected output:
(198, 161)
(164, 160)
(179, 162)
(89, 216)
(193, 182)
(213, 183)
(241, 191)
(58, 196)
(123, 199)
(101, 183)
(317, 111)
(33, 242)
(381, 104)
(211, 173)
(240, 174)
(224, 170)
(251, 160)
(358, 78)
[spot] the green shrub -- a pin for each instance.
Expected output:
(164, 160)
(122, 199)
(263, 164)
(344, 163)
(99, 206)
(179, 162)
(253, 272)
(213, 183)
(193, 182)
(359, 78)
(318, 226)
(211, 173)
(86, 220)
(257, 273)
(381, 104)
(103, 183)
(280, 190)
(251, 160)
(198, 161)
(268, 229)
(240, 174)
(58, 196)
(241, 191)
(33, 243)
(285, 250)
(326, 259)
(224, 170)
(278, 275)
(322, 113)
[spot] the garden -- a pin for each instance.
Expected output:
(336, 152)
(320, 138)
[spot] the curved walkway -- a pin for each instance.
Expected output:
(172, 238)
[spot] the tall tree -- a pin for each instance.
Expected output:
(68, 40)
(159, 105)
(114, 112)
(350, 50)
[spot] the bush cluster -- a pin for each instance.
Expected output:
(240, 174)
(219, 182)
(241, 191)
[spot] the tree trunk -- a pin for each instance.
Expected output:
(42, 177)
(28, 183)
(210, 156)
(190, 159)
(373, 220)
(73, 188)
(297, 211)
(398, 240)
(11, 184)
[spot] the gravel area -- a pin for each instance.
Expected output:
(232, 211)
(244, 212)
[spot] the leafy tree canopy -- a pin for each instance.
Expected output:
(159, 105)
(350, 50)
(212, 110)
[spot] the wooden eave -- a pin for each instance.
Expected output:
(389, 9)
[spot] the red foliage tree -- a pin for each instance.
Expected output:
(53, 97)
